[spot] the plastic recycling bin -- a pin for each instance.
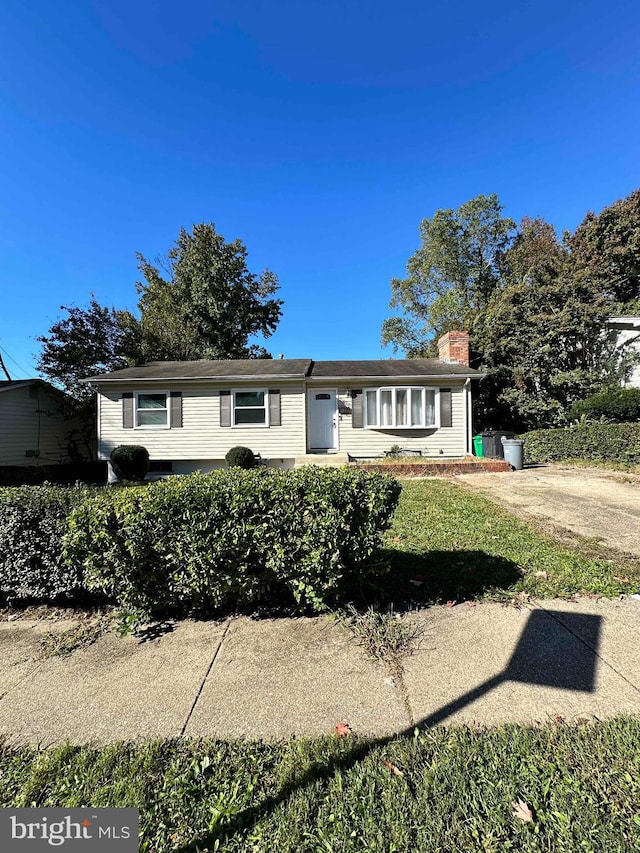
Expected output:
(477, 445)
(513, 452)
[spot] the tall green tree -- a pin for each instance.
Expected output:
(451, 276)
(605, 253)
(541, 335)
(205, 302)
(86, 341)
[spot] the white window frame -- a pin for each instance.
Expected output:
(167, 404)
(422, 389)
(264, 391)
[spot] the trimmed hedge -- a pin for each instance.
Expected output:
(596, 442)
(66, 474)
(233, 539)
(33, 522)
(619, 405)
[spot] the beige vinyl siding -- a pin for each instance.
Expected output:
(30, 420)
(445, 441)
(201, 437)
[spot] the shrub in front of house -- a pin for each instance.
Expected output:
(618, 405)
(33, 522)
(592, 442)
(130, 462)
(234, 539)
(241, 457)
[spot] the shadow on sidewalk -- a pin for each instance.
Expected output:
(554, 650)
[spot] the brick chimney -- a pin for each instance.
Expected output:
(454, 348)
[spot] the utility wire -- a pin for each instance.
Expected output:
(2, 365)
(11, 359)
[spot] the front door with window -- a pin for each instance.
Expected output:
(323, 420)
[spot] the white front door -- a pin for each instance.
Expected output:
(323, 420)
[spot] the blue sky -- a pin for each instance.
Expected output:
(319, 133)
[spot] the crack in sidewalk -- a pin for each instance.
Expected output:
(204, 680)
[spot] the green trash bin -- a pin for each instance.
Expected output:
(477, 445)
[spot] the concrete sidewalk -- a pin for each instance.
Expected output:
(270, 679)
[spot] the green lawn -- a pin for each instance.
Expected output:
(455, 793)
(447, 543)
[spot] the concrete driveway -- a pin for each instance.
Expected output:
(597, 504)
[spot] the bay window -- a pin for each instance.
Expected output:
(400, 408)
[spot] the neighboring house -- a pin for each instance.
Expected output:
(626, 331)
(33, 428)
(188, 414)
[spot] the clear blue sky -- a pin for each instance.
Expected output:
(318, 132)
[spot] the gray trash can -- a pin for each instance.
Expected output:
(513, 452)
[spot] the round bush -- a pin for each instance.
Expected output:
(620, 405)
(130, 461)
(241, 457)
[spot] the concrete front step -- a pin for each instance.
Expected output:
(332, 460)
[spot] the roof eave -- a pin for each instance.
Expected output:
(99, 380)
(403, 377)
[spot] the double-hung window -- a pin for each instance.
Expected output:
(151, 410)
(250, 408)
(400, 408)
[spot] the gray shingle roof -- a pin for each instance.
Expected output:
(10, 384)
(389, 367)
(262, 368)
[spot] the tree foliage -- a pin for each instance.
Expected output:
(451, 276)
(87, 341)
(541, 335)
(209, 304)
(605, 252)
(535, 308)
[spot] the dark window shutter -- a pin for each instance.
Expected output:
(445, 407)
(225, 408)
(274, 409)
(175, 411)
(356, 408)
(127, 410)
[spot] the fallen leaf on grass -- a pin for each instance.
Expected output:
(622, 580)
(343, 729)
(543, 575)
(522, 811)
(392, 768)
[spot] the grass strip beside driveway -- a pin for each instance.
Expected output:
(445, 789)
(448, 544)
